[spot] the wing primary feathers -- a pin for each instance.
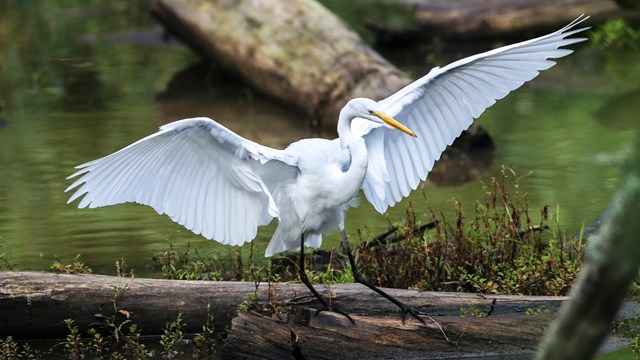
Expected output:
(395, 191)
(439, 112)
(185, 170)
(443, 103)
(406, 165)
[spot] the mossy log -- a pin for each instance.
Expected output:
(491, 19)
(34, 305)
(295, 51)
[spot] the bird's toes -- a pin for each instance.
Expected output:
(413, 312)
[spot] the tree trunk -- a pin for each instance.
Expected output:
(490, 19)
(295, 51)
(34, 304)
(612, 262)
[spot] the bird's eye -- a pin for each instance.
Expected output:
(370, 112)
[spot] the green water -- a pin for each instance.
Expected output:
(81, 79)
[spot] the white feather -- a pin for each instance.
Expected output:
(196, 171)
(443, 103)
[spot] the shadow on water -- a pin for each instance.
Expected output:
(80, 80)
(620, 112)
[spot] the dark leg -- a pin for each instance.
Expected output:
(305, 280)
(360, 279)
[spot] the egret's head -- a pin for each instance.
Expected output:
(371, 110)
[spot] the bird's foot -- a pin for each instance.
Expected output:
(403, 307)
(335, 310)
(411, 311)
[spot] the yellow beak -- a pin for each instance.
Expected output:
(393, 122)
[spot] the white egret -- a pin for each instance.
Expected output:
(220, 185)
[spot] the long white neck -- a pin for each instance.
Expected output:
(354, 176)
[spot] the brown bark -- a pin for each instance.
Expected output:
(329, 336)
(488, 19)
(295, 51)
(34, 305)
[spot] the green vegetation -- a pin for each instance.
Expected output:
(11, 349)
(332, 275)
(172, 337)
(95, 344)
(189, 266)
(616, 34)
(472, 310)
(123, 270)
(629, 329)
(205, 341)
(76, 267)
(114, 324)
(533, 312)
(73, 342)
(4, 257)
(499, 250)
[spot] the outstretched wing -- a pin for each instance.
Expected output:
(198, 172)
(442, 104)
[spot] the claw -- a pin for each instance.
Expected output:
(415, 313)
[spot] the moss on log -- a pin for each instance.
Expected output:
(295, 51)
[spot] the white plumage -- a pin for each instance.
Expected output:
(220, 185)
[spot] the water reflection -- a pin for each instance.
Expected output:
(81, 87)
(66, 100)
(620, 112)
(213, 91)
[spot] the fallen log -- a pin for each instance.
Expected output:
(34, 305)
(330, 336)
(490, 19)
(295, 51)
